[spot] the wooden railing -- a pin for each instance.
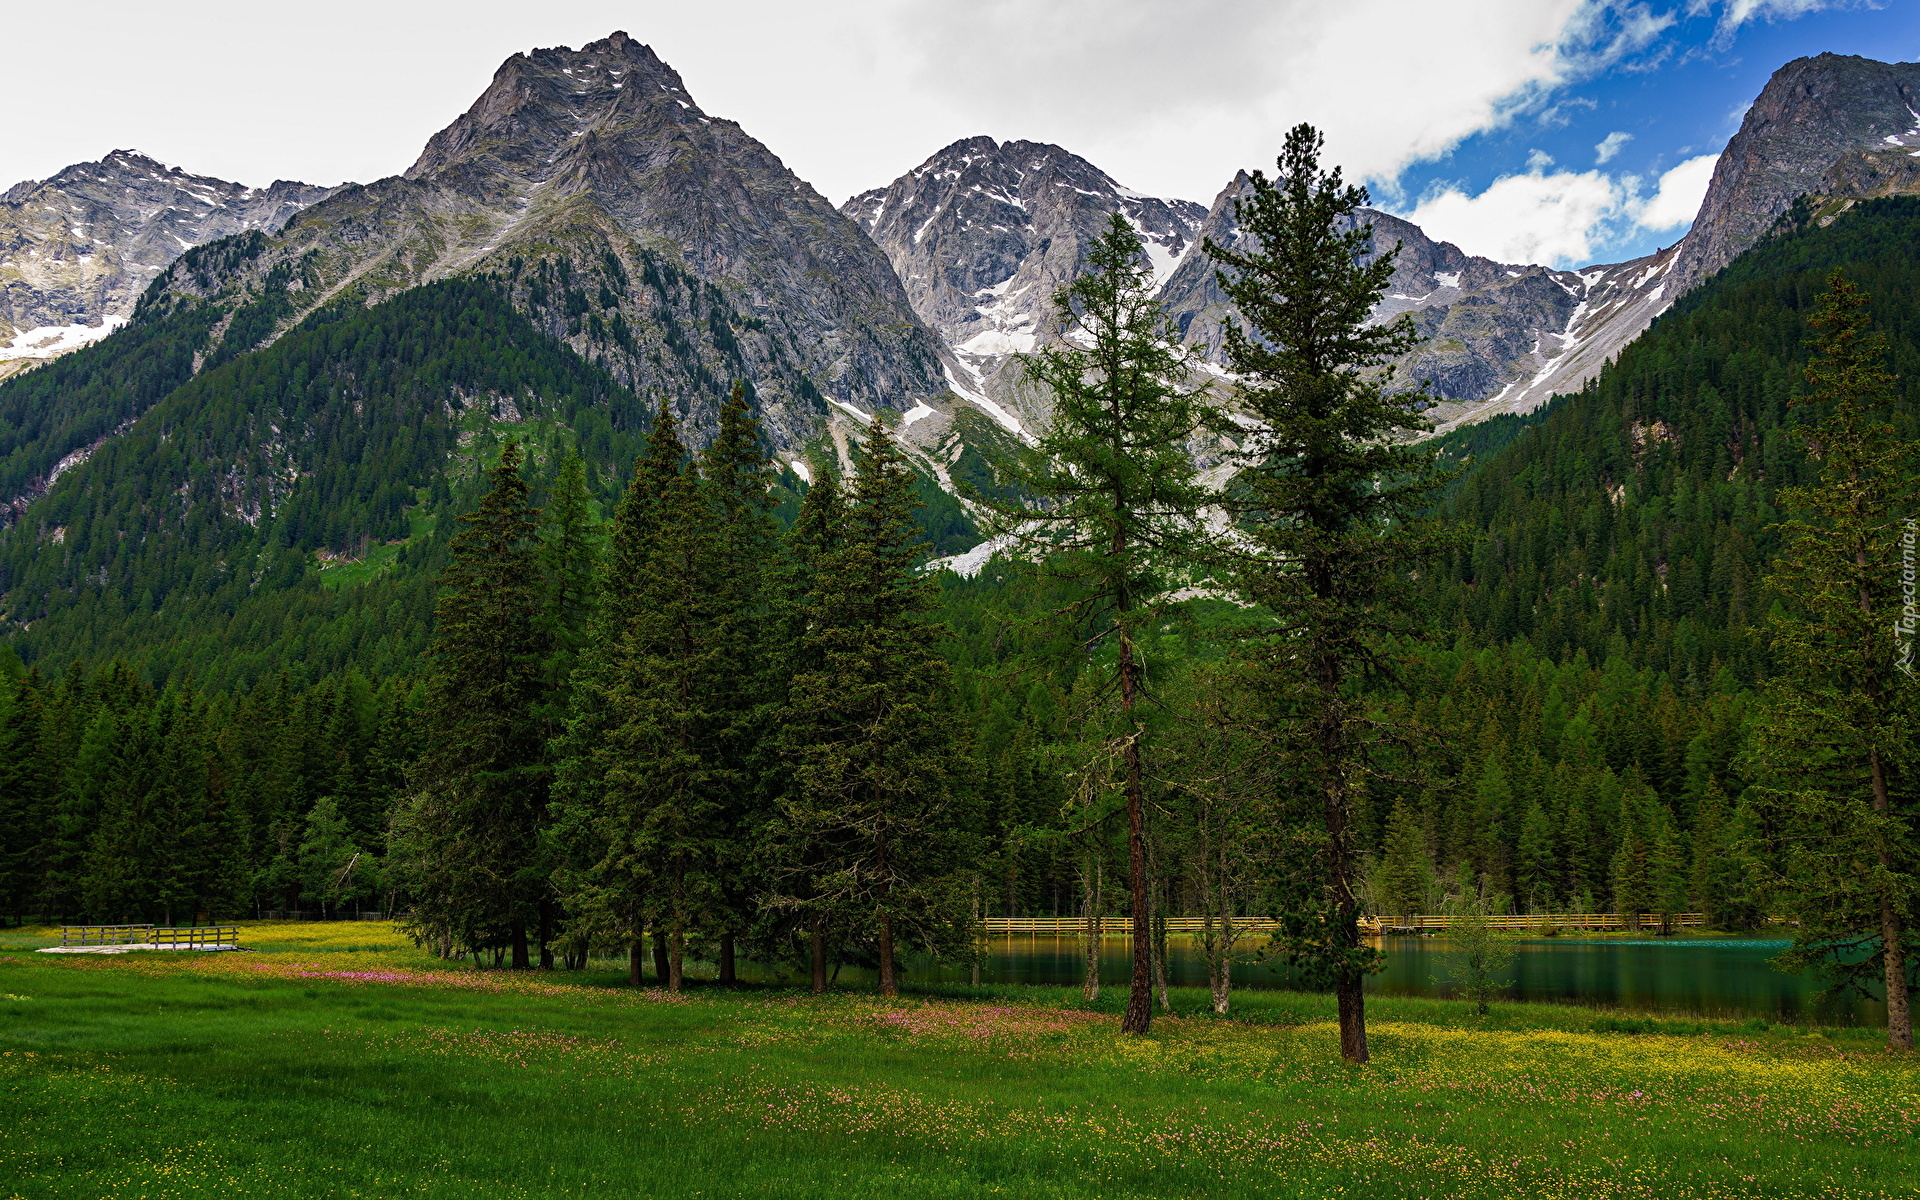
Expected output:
(1412, 923)
(105, 935)
(159, 937)
(196, 937)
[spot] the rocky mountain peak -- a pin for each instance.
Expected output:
(77, 249)
(1812, 113)
(541, 103)
(984, 233)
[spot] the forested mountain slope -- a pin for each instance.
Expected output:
(1632, 520)
(222, 533)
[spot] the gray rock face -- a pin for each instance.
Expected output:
(670, 246)
(1501, 337)
(1813, 114)
(77, 250)
(984, 234)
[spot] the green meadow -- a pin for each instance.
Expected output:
(337, 1061)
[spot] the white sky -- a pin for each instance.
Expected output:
(1168, 96)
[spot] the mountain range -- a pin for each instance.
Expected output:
(588, 219)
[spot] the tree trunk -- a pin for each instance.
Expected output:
(976, 929)
(819, 954)
(1893, 952)
(546, 934)
(676, 954)
(727, 977)
(518, 932)
(1139, 1016)
(1090, 909)
(634, 955)
(889, 985)
(660, 968)
(1353, 1018)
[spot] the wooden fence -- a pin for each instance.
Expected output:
(1412, 923)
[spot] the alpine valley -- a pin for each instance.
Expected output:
(506, 549)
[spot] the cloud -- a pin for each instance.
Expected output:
(1165, 95)
(1531, 218)
(1564, 218)
(1681, 190)
(1735, 13)
(1610, 146)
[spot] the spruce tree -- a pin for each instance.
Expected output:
(866, 735)
(794, 852)
(1329, 504)
(737, 474)
(470, 835)
(1405, 874)
(641, 784)
(1834, 750)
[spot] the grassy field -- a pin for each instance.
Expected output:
(337, 1061)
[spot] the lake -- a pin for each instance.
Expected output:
(1717, 977)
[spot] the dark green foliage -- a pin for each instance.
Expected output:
(1636, 517)
(1835, 749)
(1331, 508)
(200, 538)
(468, 839)
(865, 735)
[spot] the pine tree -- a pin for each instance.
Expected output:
(1110, 505)
(1835, 747)
(866, 737)
(1535, 868)
(470, 836)
(1329, 501)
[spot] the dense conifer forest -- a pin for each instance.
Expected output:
(225, 689)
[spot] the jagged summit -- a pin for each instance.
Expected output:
(541, 101)
(1813, 113)
(78, 248)
(984, 233)
(669, 246)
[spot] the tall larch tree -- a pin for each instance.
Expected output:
(1107, 502)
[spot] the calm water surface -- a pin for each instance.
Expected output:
(1714, 977)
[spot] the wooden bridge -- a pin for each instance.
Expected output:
(1413, 923)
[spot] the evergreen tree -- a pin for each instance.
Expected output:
(738, 476)
(1108, 499)
(1329, 501)
(794, 852)
(570, 553)
(1834, 750)
(603, 879)
(334, 872)
(1405, 874)
(470, 834)
(866, 738)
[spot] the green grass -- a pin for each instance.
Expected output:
(272, 1074)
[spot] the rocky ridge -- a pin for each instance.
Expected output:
(667, 245)
(984, 234)
(78, 249)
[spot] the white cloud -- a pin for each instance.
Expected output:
(1681, 191)
(1562, 219)
(1531, 218)
(1610, 146)
(1164, 95)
